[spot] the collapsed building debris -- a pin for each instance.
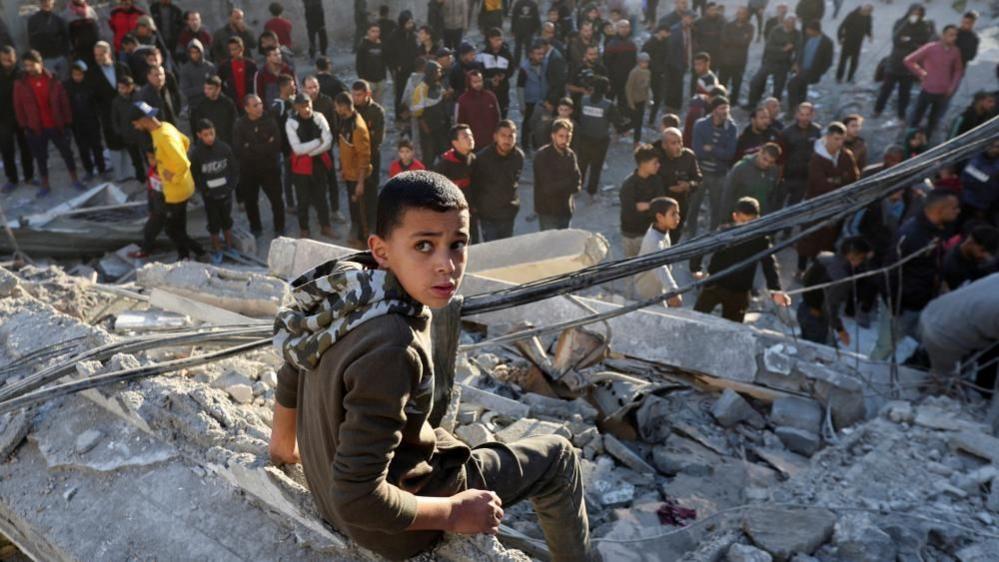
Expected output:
(769, 449)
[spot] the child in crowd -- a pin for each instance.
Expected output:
(652, 283)
(637, 93)
(406, 161)
(213, 165)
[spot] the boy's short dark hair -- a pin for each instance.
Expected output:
(835, 128)
(266, 51)
(772, 149)
(360, 86)
(507, 124)
(936, 197)
(404, 143)
(702, 56)
(126, 79)
(987, 237)
(31, 55)
(285, 79)
(130, 38)
(494, 32)
(7, 50)
(670, 120)
(415, 190)
(748, 206)
(971, 15)
(203, 125)
(276, 9)
(323, 63)
(457, 129)
(645, 152)
(662, 205)
(383, 10)
(213, 80)
(235, 40)
(855, 245)
(600, 84)
(851, 118)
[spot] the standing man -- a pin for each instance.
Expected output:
(169, 21)
(735, 41)
(909, 33)
(266, 80)
(496, 173)
(42, 110)
(192, 30)
(156, 94)
(709, 32)
(11, 134)
(597, 115)
(456, 165)
(429, 107)
(374, 117)
(938, 67)
(355, 166)
(556, 179)
(782, 48)
(851, 32)
(679, 170)
(310, 139)
(525, 23)
(370, 60)
(478, 107)
(216, 174)
(324, 104)
(532, 87)
(455, 22)
(816, 58)
(49, 35)
(681, 58)
(657, 47)
(756, 176)
(86, 121)
(639, 189)
(967, 37)
(620, 56)
(315, 27)
(400, 57)
(798, 141)
(123, 19)
(83, 28)
(174, 170)
(758, 133)
(237, 72)
(217, 108)
(257, 144)
(714, 144)
(234, 28)
(497, 68)
(854, 124)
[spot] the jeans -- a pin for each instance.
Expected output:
(904, 83)
(591, 154)
(890, 333)
(797, 91)
(712, 187)
(849, 53)
(936, 103)
(544, 469)
(311, 192)
(553, 222)
(496, 229)
(813, 328)
(759, 82)
(11, 139)
(734, 303)
(251, 182)
(39, 143)
(732, 73)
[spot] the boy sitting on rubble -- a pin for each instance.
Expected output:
(358, 383)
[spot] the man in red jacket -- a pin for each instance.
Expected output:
(42, 110)
(478, 107)
(124, 17)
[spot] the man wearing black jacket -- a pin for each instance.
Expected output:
(908, 34)
(658, 49)
(11, 135)
(556, 178)
(400, 56)
(370, 60)
(637, 193)
(257, 144)
(525, 23)
(496, 175)
(819, 309)
(816, 58)
(679, 170)
(49, 35)
(329, 84)
(798, 141)
(217, 108)
(732, 292)
(735, 41)
(103, 78)
(855, 26)
(158, 95)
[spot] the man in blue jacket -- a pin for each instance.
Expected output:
(714, 144)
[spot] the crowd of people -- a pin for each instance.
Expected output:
(579, 75)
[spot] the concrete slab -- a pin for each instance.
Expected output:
(246, 293)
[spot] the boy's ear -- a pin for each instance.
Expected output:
(379, 250)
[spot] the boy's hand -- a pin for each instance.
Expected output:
(675, 302)
(844, 338)
(474, 512)
(781, 299)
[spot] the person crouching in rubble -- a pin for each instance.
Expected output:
(358, 383)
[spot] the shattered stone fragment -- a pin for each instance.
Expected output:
(745, 553)
(793, 411)
(798, 440)
(241, 393)
(899, 411)
(779, 359)
(623, 453)
(87, 440)
(731, 408)
(785, 532)
(857, 539)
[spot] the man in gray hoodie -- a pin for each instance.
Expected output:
(193, 73)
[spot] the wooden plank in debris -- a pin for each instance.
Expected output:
(200, 311)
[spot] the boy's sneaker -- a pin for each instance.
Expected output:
(216, 258)
(8, 187)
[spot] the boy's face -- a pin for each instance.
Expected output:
(700, 67)
(669, 221)
(207, 136)
(856, 259)
(405, 154)
(124, 89)
(194, 55)
(427, 252)
(741, 218)
(77, 75)
(649, 167)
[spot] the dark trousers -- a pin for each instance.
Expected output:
(496, 229)
(39, 143)
(637, 117)
(732, 73)
(334, 192)
(432, 145)
(544, 469)
(553, 222)
(90, 147)
(11, 138)
(364, 211)
(797, 91)
(315, 29)
(311, 193)
(173, 218)
(452, 38)
(287, 181)
(734, 303)
(251, 182)
(521, 44)
(398, 89)
(525, 125)
(813, 328)
(651, 8)
(138, 161)
(758, 14)
(591, 153)
(674, 90)
(658, 96)
(904, 83)
(936, 103)
(759, 82)
(219, 214)
(713, 188)
(848, 53)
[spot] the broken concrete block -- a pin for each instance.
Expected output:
(87, 440)
(14, 427)
(269, 377)
(731, 408)
(623, 453)
(241, 393)
(680, 455)
(745, 553)
(527, 427)
(798, 440)
(793, 411)
(857, 539)
(899, 411)
(558, 408)
(8, 283)
(494, 402)
(992, 502)
(250, 294)
(984, 551)
(784, 532)
(474, 434)
(977, 443)
(779, 358)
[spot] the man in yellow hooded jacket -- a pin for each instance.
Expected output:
(169, 195)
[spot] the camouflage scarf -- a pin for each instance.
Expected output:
(331, 300)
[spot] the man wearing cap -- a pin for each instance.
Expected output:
(177, 183)
(355, 166)
(714, 144)
(459, 72)
(42, 109)
(310, 139)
